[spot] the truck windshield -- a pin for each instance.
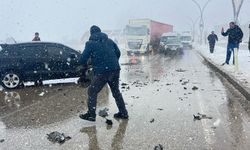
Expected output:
(186, 38)
(169, 39)
(140, 31)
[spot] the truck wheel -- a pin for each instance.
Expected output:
(11, 80)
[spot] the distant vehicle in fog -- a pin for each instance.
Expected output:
(143, 35)
(36, 61)
(170, 43)
(186, 39)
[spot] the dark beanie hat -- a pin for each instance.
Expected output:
(94, 29)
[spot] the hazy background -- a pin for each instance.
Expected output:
(67, 20)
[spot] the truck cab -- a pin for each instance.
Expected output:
(170, 43)
(186, 40)
(137, 39)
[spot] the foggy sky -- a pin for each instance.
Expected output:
(60, 20)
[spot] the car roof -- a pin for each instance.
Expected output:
(170, 34)
(34, 43)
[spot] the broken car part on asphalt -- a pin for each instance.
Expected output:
(57, 137)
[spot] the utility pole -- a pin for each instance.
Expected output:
(193, 26)
(237, 4)
(201, 25)
(249, 39)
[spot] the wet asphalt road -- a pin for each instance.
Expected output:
(160, 100)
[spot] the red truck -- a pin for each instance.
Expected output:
(143, 35)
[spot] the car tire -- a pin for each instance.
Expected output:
(11, 80)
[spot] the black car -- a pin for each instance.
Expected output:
(37, 61)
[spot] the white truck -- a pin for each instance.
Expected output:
(143, 35)
(186, 40)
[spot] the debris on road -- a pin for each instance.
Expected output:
(197, 117)
(185, 82)
(195, 88)
(158, 147)
(109, 122)
(57, 137)
(159, 109)
(2, 140)
(137, 83)
(180, 70)
(124, 84)
(200, 116)
(184, 88)
(135, 97)
(41, 94)
(103, 113)
(152, 120)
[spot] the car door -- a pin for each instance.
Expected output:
(71, 57)
(33, 61)
(57, 65)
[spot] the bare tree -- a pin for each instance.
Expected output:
(237, 4)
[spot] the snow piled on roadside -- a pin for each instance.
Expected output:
(219, 56)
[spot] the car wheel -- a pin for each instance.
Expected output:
(11, 80)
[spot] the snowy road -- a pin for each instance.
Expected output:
(161, 94)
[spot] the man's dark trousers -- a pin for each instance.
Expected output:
(230, 48)
(98, 82)
(211, 46)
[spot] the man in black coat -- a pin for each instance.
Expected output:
(36, 38)
(212, 38)
(249, 44)
(235, 36)
(104, 55)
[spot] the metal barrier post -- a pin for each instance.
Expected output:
(236, 62)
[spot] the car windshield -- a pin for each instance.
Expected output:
(140, 31)
(169, 39)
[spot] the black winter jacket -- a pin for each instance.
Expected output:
(235, 35)
(103, 52)
(212, 38)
